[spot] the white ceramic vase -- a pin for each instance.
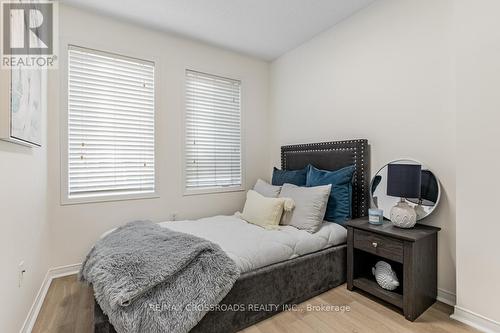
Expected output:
(403, 215)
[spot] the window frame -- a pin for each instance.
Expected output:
(213, 190)
(65, 199)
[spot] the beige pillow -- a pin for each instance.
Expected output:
(262, 211)
(266, 189)
(310, 206)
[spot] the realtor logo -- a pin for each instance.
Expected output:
(28, 34)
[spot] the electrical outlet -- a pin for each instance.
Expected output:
(21, 270)
(174, 217)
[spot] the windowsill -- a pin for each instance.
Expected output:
(107, 198)
(213, 190)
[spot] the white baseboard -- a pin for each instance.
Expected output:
(64, 270)
(475, 320)
(52, 274)
(446, 297)
(29, 322)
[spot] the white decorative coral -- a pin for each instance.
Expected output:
(385, 276)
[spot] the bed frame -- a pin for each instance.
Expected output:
(279, 286)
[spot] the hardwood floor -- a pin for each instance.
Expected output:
(68, 308)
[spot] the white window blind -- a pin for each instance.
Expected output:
(213, 132)
(111, 110)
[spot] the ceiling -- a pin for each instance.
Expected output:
(262, 28)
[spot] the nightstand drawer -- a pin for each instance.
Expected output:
(386, 247)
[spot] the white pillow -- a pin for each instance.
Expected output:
(266, 189)
(310, 206)
(262, 211)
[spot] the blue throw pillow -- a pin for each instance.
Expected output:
(295, 177)
(339, 208)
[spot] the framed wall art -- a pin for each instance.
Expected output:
(22, 105)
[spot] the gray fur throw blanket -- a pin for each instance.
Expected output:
(151, 279)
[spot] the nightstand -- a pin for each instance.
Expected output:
(412, 253)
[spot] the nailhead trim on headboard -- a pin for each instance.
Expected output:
(359, 147)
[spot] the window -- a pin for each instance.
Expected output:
(111, 112)
(213, 133)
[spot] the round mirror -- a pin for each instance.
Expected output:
(424, 205)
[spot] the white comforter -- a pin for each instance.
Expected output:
(252, 247)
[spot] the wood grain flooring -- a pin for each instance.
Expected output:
(68, 308)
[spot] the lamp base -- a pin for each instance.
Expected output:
(403, 215)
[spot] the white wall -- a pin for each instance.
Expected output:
(384, 74)
(478, 109)
(25, 232)
(76, 227)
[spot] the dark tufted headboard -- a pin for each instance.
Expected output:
(333, 156)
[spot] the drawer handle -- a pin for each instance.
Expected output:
(374, 244)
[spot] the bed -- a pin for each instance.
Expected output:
(290, 266)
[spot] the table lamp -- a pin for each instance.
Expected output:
(403, 181)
